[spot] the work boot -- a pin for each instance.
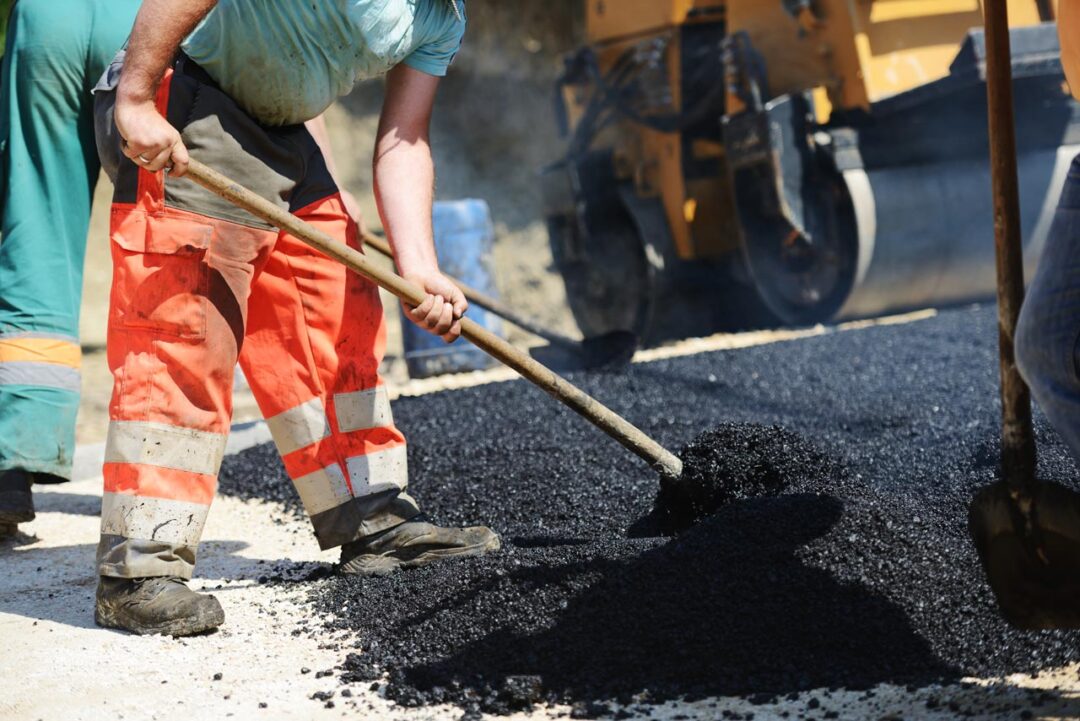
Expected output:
(16, 501)
(413, 543)
(155, 605)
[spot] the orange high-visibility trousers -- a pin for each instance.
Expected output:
(198, 285)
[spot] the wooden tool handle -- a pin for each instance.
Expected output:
(663, 460)
(1017, 436)
(486, 302)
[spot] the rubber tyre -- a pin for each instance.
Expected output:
(607, 278)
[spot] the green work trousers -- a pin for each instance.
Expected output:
(55, 52)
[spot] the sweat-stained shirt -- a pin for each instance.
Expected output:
(286, 61)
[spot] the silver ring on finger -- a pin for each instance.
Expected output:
(144, 159)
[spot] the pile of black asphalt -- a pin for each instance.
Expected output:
(830, 549)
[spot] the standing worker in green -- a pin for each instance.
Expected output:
(55, 51)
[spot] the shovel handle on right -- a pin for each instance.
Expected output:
(1017, 435)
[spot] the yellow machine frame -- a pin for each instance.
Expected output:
(850, 53)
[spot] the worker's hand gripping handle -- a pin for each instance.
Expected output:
(608, 421)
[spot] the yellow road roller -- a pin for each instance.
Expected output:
(744, 163)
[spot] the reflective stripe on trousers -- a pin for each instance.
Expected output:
(39, 397)
(347, 473)
(43, 360)
(192, 293)
(159, 481)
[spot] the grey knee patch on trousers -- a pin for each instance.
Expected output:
(362, 517)
(120, 557)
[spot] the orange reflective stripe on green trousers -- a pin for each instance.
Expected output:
(55, 51)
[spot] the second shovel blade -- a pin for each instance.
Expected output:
(1034, 573)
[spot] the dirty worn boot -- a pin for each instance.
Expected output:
(156, 605)
(16, 501)
(413, 543)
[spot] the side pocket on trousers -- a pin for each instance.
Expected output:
(160, 274)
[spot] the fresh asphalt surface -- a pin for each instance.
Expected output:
(859, 573)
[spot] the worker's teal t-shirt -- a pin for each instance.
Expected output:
(286, 61)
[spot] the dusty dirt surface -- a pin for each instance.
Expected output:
(68, 669)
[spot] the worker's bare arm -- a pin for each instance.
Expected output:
(404, 190)
(160, 27)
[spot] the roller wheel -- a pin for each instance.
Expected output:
(806, 281)
(608, 282)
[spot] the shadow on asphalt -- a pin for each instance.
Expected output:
(731, 594)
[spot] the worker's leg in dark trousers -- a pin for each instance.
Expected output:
(1048, 334)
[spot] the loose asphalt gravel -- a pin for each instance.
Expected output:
(851, 568)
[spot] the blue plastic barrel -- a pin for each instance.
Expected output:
(464, 236)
